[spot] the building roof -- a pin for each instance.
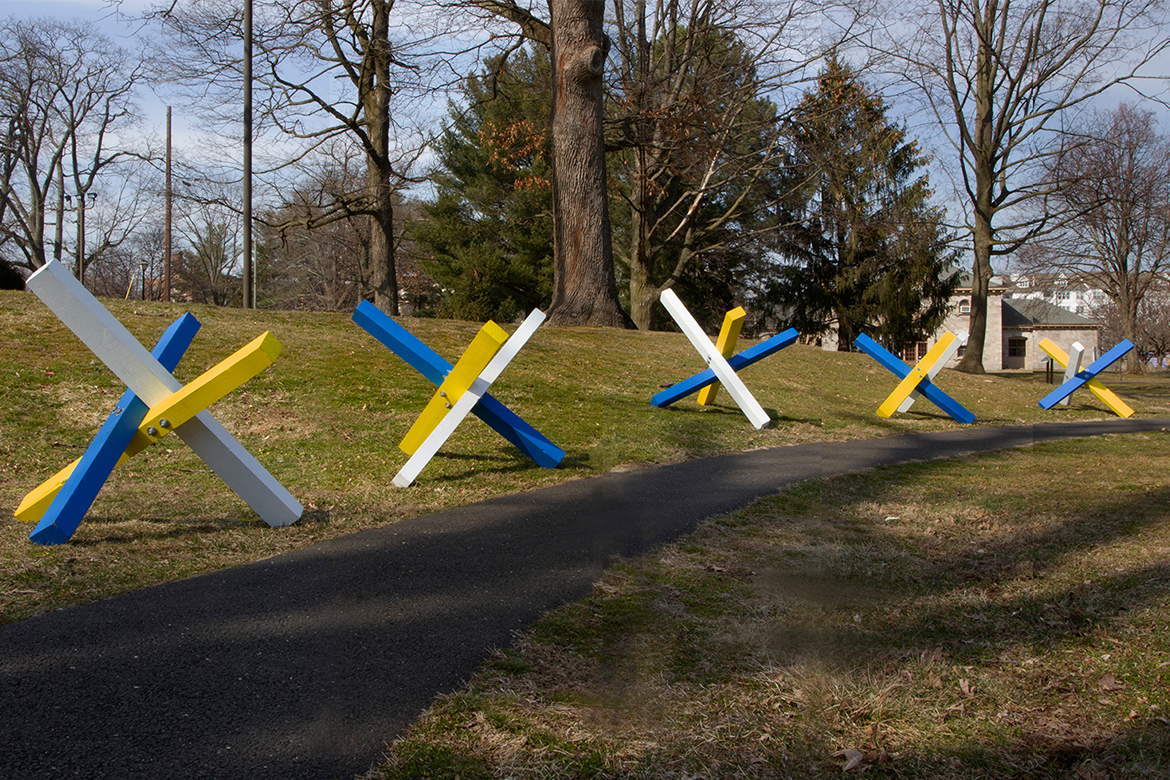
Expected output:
(1032, 312)
(998, 283)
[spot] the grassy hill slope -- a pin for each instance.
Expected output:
(327, 417)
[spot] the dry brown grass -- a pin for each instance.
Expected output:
(1001, 616)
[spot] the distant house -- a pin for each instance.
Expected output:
(1028, 322)
(1015, 328)
(1059, 289)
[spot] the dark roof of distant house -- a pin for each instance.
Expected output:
(995, 283)
(1030, 312)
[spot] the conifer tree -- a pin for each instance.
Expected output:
(488, 235)
(865, 250)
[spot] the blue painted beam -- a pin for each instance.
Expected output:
(1085, 375)
(431, 365)
(742, 360)
(77, 495)
(925, 388)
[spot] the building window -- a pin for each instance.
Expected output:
(964, 306)
(1018, 348)
(915, 352)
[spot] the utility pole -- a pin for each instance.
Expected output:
(166, 296)
(249, 293)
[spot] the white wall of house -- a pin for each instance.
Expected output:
(959, 322)
(1058, 289)
(1034, 357)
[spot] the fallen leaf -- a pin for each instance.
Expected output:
(933, 656)
(965, 686)
(853, 758)
(1131, 716)
(1110, 683)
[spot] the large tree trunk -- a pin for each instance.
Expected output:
(983, 235)
(380, 267)
(1127, 306)
(380, 271)
(972, 362)
(584, 288)
(644, 290)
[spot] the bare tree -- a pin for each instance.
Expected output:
(1154, 329)
(207, 267)
(699, 139)
(1112, 180)
(1151, 339)
(66, 92)
(1000, 76)
(326, 70)
(318, 267)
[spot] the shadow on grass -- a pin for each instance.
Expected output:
(98, 530)
(968, 655)
(908, 567)
(505, 461)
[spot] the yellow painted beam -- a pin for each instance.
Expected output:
(728, 337)
(483, 348)
(915, 377)
(1107, 396)
(175, 409)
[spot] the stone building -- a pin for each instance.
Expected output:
(1015, 328)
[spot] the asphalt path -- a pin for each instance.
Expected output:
(303, 666)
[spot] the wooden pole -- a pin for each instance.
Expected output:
(249, 293)
(167, 247)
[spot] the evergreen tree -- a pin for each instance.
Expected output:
(487, 238)
(10, 278)
(866, 252)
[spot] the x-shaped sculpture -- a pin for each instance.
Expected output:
(461, 389)
(917, 381)
(1075, 378)
(155, 404)
(722, 369)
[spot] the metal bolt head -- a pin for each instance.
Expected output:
(152, 431)
(164, 423)
(447, 405)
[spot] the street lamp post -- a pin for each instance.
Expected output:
(166, 292)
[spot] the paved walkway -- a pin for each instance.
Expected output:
(303, 666)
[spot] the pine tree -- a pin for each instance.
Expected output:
(487, 238)
(866, 251)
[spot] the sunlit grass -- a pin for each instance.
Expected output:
(326, 418)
